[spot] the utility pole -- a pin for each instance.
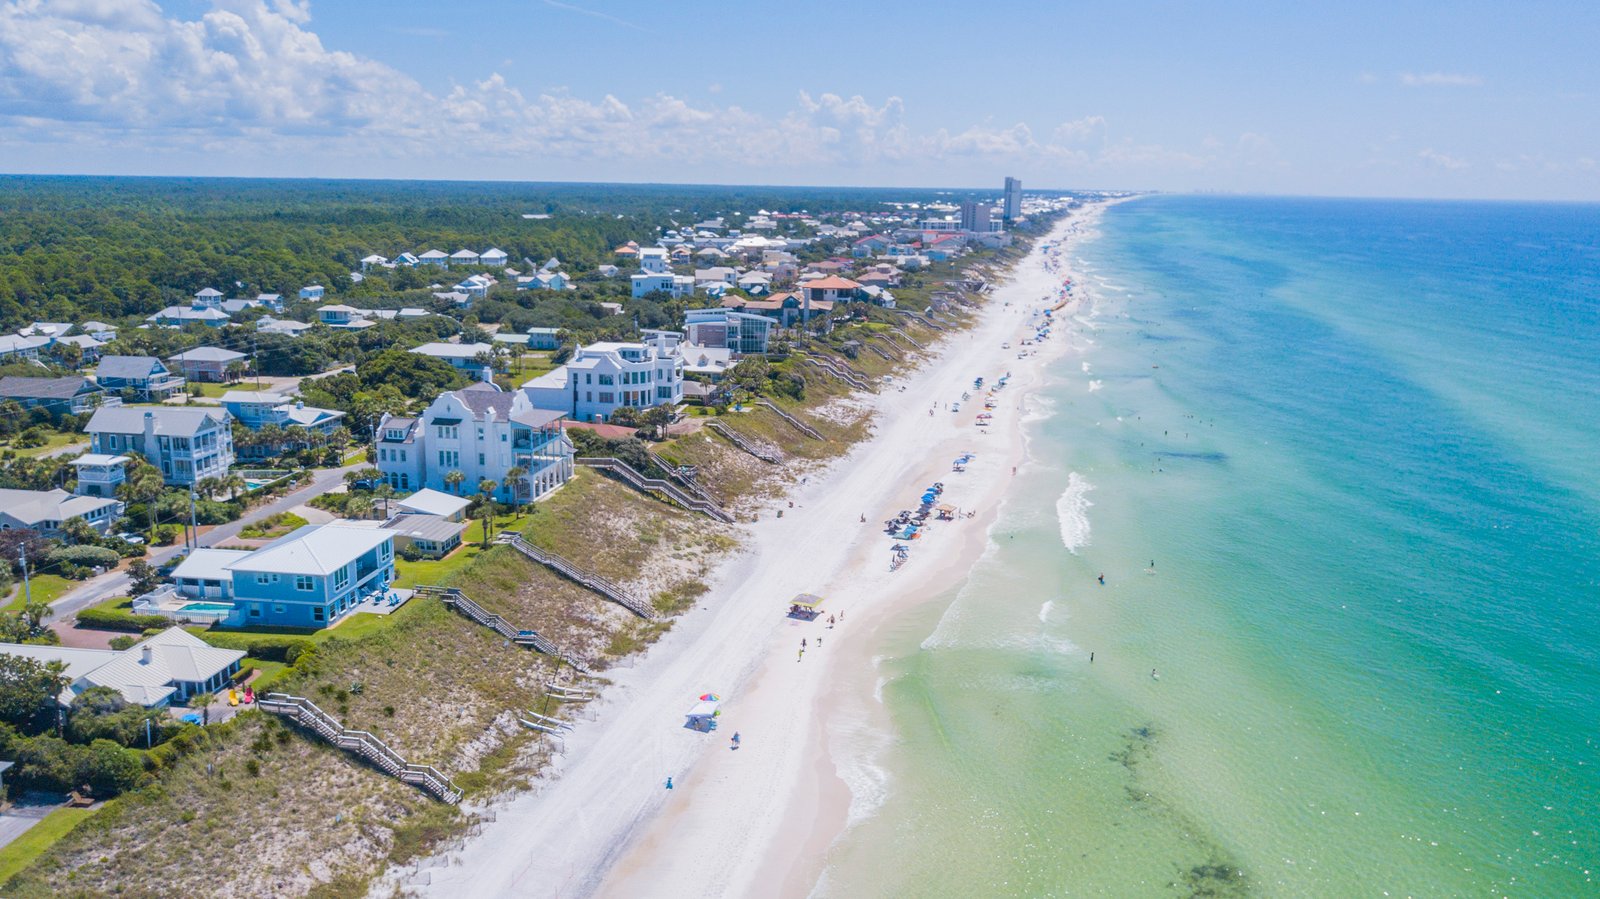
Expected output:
(27, 592)
(194, 529)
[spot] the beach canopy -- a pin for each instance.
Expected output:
(946, 508)
(710, 697)
(806, 601)
(703, 710)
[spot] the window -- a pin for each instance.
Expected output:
(384, 550)
(278, 608)
(394, 434)
(480, 460)
(263, 577)
(448, 432)
(318, 613)
(402, 455)
(304, 583)
(341, 578)
(255, 610)
(502, 437)
(449, 459)
(607, 379)
(607, 397)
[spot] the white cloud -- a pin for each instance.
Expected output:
(1440, 79)
(249, 78)
(1441, 160)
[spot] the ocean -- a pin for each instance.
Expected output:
(1336, 460)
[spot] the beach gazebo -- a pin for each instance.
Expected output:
(806, 605)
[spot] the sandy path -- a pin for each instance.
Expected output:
(763, 815)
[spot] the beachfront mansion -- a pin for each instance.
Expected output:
(604, 377)
(482, 432)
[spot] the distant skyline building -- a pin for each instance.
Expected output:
(975, 216)
(1013, 200)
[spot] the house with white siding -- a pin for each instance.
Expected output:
(603, 377)
(482, 432)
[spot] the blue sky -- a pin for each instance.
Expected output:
(1379, 99)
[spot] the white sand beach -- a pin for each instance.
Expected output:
(759, 819)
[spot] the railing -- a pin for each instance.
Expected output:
(827, 365)
(594, 582)
(741, 443)
(304, 712)
(633, 478)
(879, 350)
(799, 425)
(688, 483)
(457, 600)
(900, 332)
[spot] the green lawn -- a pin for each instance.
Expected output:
(272, 527)
(436, 571)
(21, 852)
(54, 440)
(214, 391)
(46, 588)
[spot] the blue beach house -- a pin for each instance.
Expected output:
(312, 577)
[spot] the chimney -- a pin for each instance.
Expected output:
(146, 655)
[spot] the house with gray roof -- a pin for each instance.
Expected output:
(482, 432)
(71, 395)
(188, 443)
(147, 376)
(210, 364)
(47, 511)
(159, 670)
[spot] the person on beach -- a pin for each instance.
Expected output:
(819, 642)
(735, 739)
(801, 657)
(1102, 579)
(669, 783)
(802, 642)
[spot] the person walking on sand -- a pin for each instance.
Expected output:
(819, 641)
(735, 739)
(669, 783)
(801, 657)
(1102, 579)
(802, 642)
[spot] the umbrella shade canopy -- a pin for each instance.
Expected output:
(806, 601)
(710, 697)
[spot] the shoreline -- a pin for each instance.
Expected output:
(768, 813)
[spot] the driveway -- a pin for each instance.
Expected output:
(116, 583)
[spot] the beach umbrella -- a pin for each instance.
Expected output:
(710, 697)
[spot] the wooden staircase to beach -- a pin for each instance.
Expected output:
(459, 601)
(799, 425)
(689, 483)
(843, 374)
(633, 478)
(572, 572)
(737, 440)
(901, 334)
(305, 713)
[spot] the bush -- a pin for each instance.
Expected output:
(123, 642)
(83, 556)
(35, 436)
(50, 763)
(117, 615)
(268, 647)
(167, 534)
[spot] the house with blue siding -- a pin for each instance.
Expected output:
(312, 577)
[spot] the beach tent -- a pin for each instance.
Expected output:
(805, 605)
(703, 715)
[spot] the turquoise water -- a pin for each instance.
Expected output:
(207, 607)
(1358, 441)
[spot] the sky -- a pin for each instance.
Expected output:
(1464, 99)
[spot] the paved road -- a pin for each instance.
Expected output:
(116, 583)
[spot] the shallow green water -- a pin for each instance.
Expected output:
(1357, 440)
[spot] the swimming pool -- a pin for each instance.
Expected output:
(213, 607)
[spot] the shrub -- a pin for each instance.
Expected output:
(117, 615)
(83, 556)
(269, 647)
(167, 534)
(123, 642)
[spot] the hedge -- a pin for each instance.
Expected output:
(117, 615)
(270, 647)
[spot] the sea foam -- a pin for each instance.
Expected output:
(1072, 511)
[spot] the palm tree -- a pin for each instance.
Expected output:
(514, 483)
(233, 482)
(453, 480)
(145, 485)
(486, 507)
(208, 487)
